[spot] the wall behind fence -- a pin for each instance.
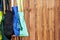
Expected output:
(43, 20)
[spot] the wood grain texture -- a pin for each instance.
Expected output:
(39, 20)
(32, 19)
(57, 19)
(51, 18)
(42, 19)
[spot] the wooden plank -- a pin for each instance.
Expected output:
(4, 6)
(26, 12)
(51, 24)
(51, 18)
(57, 21)
(39, 20)
(47, 20)
(44, 20)
(32, 19)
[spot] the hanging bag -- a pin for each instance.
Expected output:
(3, 36)
(1, 14)
(8, 21)
(16, 23)
(23, 27)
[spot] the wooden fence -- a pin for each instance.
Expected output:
(43, 20)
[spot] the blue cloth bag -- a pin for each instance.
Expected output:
(16, 23)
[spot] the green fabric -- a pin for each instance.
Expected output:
(23, 31)
(4, 37)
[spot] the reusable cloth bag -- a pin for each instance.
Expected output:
(0, 25)
(23, 30)
(23, 27)
(8, 21)
(3, 36)
(8, 24)
(16, 23)
(1, 13)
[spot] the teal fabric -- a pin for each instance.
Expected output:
(23, 29)
(2, 32)
(3, 36)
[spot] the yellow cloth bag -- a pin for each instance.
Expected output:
(0, 25)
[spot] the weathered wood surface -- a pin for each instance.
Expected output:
(42, 19)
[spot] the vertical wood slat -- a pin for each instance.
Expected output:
(47, 20)
(26, 12)
(32, 20)
(57, 17)
(4, 6)
(39, 19)
(44, 21)
(51, 18)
